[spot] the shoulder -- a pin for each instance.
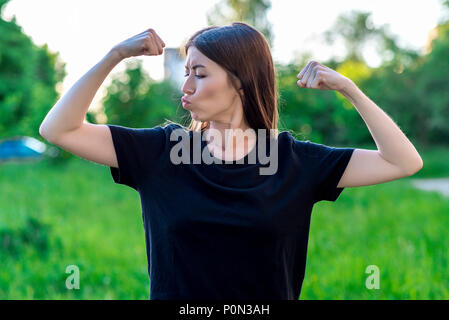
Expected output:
(157, 137)
(303, 147)
(174, 132)
(287, 141)
(164, 131)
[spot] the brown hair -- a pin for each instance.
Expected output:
(244, 53)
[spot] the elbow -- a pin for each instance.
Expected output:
(41, 131)
(43, 134)
(417, 167)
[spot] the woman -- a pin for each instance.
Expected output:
(224, 230)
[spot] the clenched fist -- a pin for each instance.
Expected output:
(146, 43)
(318, 76)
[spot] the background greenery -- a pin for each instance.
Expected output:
(69, 211)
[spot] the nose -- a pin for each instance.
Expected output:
(187, 88)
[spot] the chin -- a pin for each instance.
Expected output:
(194, 116)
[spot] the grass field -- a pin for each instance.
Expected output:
(73, 214)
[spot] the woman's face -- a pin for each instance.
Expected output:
(207, 89)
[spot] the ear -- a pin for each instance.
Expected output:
(241, 92)
(239, 85)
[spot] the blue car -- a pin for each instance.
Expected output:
(24, 148)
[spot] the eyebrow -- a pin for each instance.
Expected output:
(196, 66)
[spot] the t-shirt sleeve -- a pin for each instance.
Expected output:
(138, 152)
(328, 165)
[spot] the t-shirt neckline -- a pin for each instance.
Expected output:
(239, 163)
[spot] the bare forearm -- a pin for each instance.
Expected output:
(391, 142)
(69, 112)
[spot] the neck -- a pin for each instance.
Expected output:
(228, 131)
(230, 126)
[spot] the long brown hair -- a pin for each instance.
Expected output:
(244, 53)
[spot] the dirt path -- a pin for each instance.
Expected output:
(441, 185)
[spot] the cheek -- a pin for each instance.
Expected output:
(206, 89)
(209, 96)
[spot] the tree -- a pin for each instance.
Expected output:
(432, 89)
(133, 99)
(357, 30)
(252, 12)
(28, 78)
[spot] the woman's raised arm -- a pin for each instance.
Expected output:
(64, 124)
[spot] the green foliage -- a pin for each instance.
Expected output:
(432, 88)
(58, 219)
(435, 162)
(28, 76)
(356, 29)
(253, 12)
(134, 99)
(33, 234)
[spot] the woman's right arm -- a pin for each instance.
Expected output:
(64, 124)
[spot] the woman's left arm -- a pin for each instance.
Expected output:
(393, 146)
(392, 143)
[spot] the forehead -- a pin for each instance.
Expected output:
(194, 56)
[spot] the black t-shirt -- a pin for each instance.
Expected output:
(224, 231)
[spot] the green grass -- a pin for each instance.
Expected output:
(90, 222)
(401, 230)
(55, 216)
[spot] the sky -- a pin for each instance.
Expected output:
(83, 31)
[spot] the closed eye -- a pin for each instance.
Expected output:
(186, 75)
